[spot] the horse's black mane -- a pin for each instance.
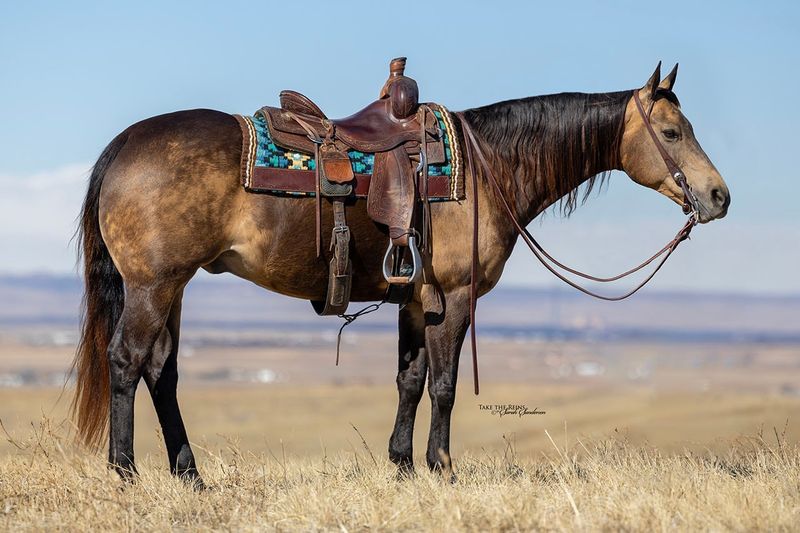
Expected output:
(558, 141)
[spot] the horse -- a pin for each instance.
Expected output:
(165, 199)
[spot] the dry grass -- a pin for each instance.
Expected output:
(307, 419)
(605, 484)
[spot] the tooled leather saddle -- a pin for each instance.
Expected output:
(404, 137)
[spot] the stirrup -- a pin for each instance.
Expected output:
(416, 264)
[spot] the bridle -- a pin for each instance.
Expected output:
(690, 202)
(691, 207)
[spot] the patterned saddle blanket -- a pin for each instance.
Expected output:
(271, 169)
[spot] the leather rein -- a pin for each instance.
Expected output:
(691, 206)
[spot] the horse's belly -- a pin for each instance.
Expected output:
(275, 247)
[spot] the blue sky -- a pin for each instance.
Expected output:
(72, 75)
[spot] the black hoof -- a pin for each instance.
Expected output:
(193, 480)
(405, 472)
(445, 471)
(127, 472)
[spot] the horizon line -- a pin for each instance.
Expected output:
(509, 286)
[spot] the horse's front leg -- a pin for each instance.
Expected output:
(411, 371)
(446, 323)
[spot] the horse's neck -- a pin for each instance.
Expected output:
(539, 158)
(536, 200)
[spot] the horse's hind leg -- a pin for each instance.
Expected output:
(412, 368)
(161, 376)
(139, 329)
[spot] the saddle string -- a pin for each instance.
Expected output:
(350, 318)
(317, 140)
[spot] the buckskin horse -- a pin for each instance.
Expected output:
(165, 199)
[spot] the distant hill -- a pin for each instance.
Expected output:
(228, 302)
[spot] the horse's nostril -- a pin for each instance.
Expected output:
(720, 198)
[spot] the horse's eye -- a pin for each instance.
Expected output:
(670, 135)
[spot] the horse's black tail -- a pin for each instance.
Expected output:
(102, 305)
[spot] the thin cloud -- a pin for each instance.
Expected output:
(37, 218)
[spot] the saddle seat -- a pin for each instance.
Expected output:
(372, 129)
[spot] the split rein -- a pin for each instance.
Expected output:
(691, 206)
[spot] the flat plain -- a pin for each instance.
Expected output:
(692, 428)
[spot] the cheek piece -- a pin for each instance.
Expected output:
(690, 203)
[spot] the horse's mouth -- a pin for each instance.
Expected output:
(706, 214)
(704, 218)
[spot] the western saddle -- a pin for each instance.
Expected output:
(404, 137)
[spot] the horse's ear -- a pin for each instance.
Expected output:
(650, 87)
(669, 82)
